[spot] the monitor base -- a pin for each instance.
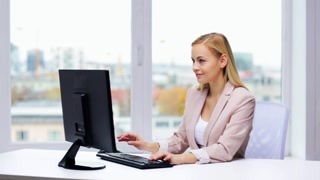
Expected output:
(68, 161)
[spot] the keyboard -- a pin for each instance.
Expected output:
(133, 160)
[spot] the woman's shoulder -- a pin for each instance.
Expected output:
(194, 90)
(194, 94)
(240, 92)
(242, 96)
(243, 90)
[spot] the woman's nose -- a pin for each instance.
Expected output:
(195, 67)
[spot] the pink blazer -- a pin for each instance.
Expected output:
(227, 133)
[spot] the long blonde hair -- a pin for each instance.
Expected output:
(218, 44)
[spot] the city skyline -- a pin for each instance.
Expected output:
(95, 32)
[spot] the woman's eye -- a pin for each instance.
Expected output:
(201, 60)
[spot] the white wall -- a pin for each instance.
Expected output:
(304, 101)
(313, 80)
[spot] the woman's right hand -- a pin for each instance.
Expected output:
(138, 142)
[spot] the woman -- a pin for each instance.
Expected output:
(218, 113)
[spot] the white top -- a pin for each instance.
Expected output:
(199, 131)
(200, 154)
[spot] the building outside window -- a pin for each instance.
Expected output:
(22, 136)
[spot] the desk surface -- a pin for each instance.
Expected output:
(43, 164)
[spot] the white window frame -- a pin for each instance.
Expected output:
(5, 105)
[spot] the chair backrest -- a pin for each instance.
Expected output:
(268, 136)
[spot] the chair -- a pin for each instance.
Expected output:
(268, 136)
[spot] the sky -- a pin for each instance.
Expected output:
(102, 27)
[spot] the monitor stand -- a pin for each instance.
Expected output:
(68, 161)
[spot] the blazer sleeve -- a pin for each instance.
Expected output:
(178, 142)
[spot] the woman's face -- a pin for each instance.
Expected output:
(207, 67)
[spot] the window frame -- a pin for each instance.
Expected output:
(5, 122)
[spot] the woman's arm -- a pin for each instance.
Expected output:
(138, 142)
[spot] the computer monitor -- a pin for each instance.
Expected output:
(87, 113)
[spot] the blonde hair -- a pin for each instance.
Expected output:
(218, 44)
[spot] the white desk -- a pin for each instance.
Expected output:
(43, 164)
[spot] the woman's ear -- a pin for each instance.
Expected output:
(223, 60)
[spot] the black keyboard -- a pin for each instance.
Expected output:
(133, 160)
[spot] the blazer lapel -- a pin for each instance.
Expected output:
(218, 109)
(198, 104)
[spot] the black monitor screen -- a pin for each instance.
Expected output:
(87, 109)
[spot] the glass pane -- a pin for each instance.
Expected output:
(253, 29)
(70, 34)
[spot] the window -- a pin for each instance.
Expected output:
(253, 31)
(172, 34)
(50, 35)
(54, 135)
(176, 124)
(162, 124)
(22, 136)
(99, 40)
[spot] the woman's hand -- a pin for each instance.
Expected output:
(138, 142)
(187, 158)
(133, 139)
